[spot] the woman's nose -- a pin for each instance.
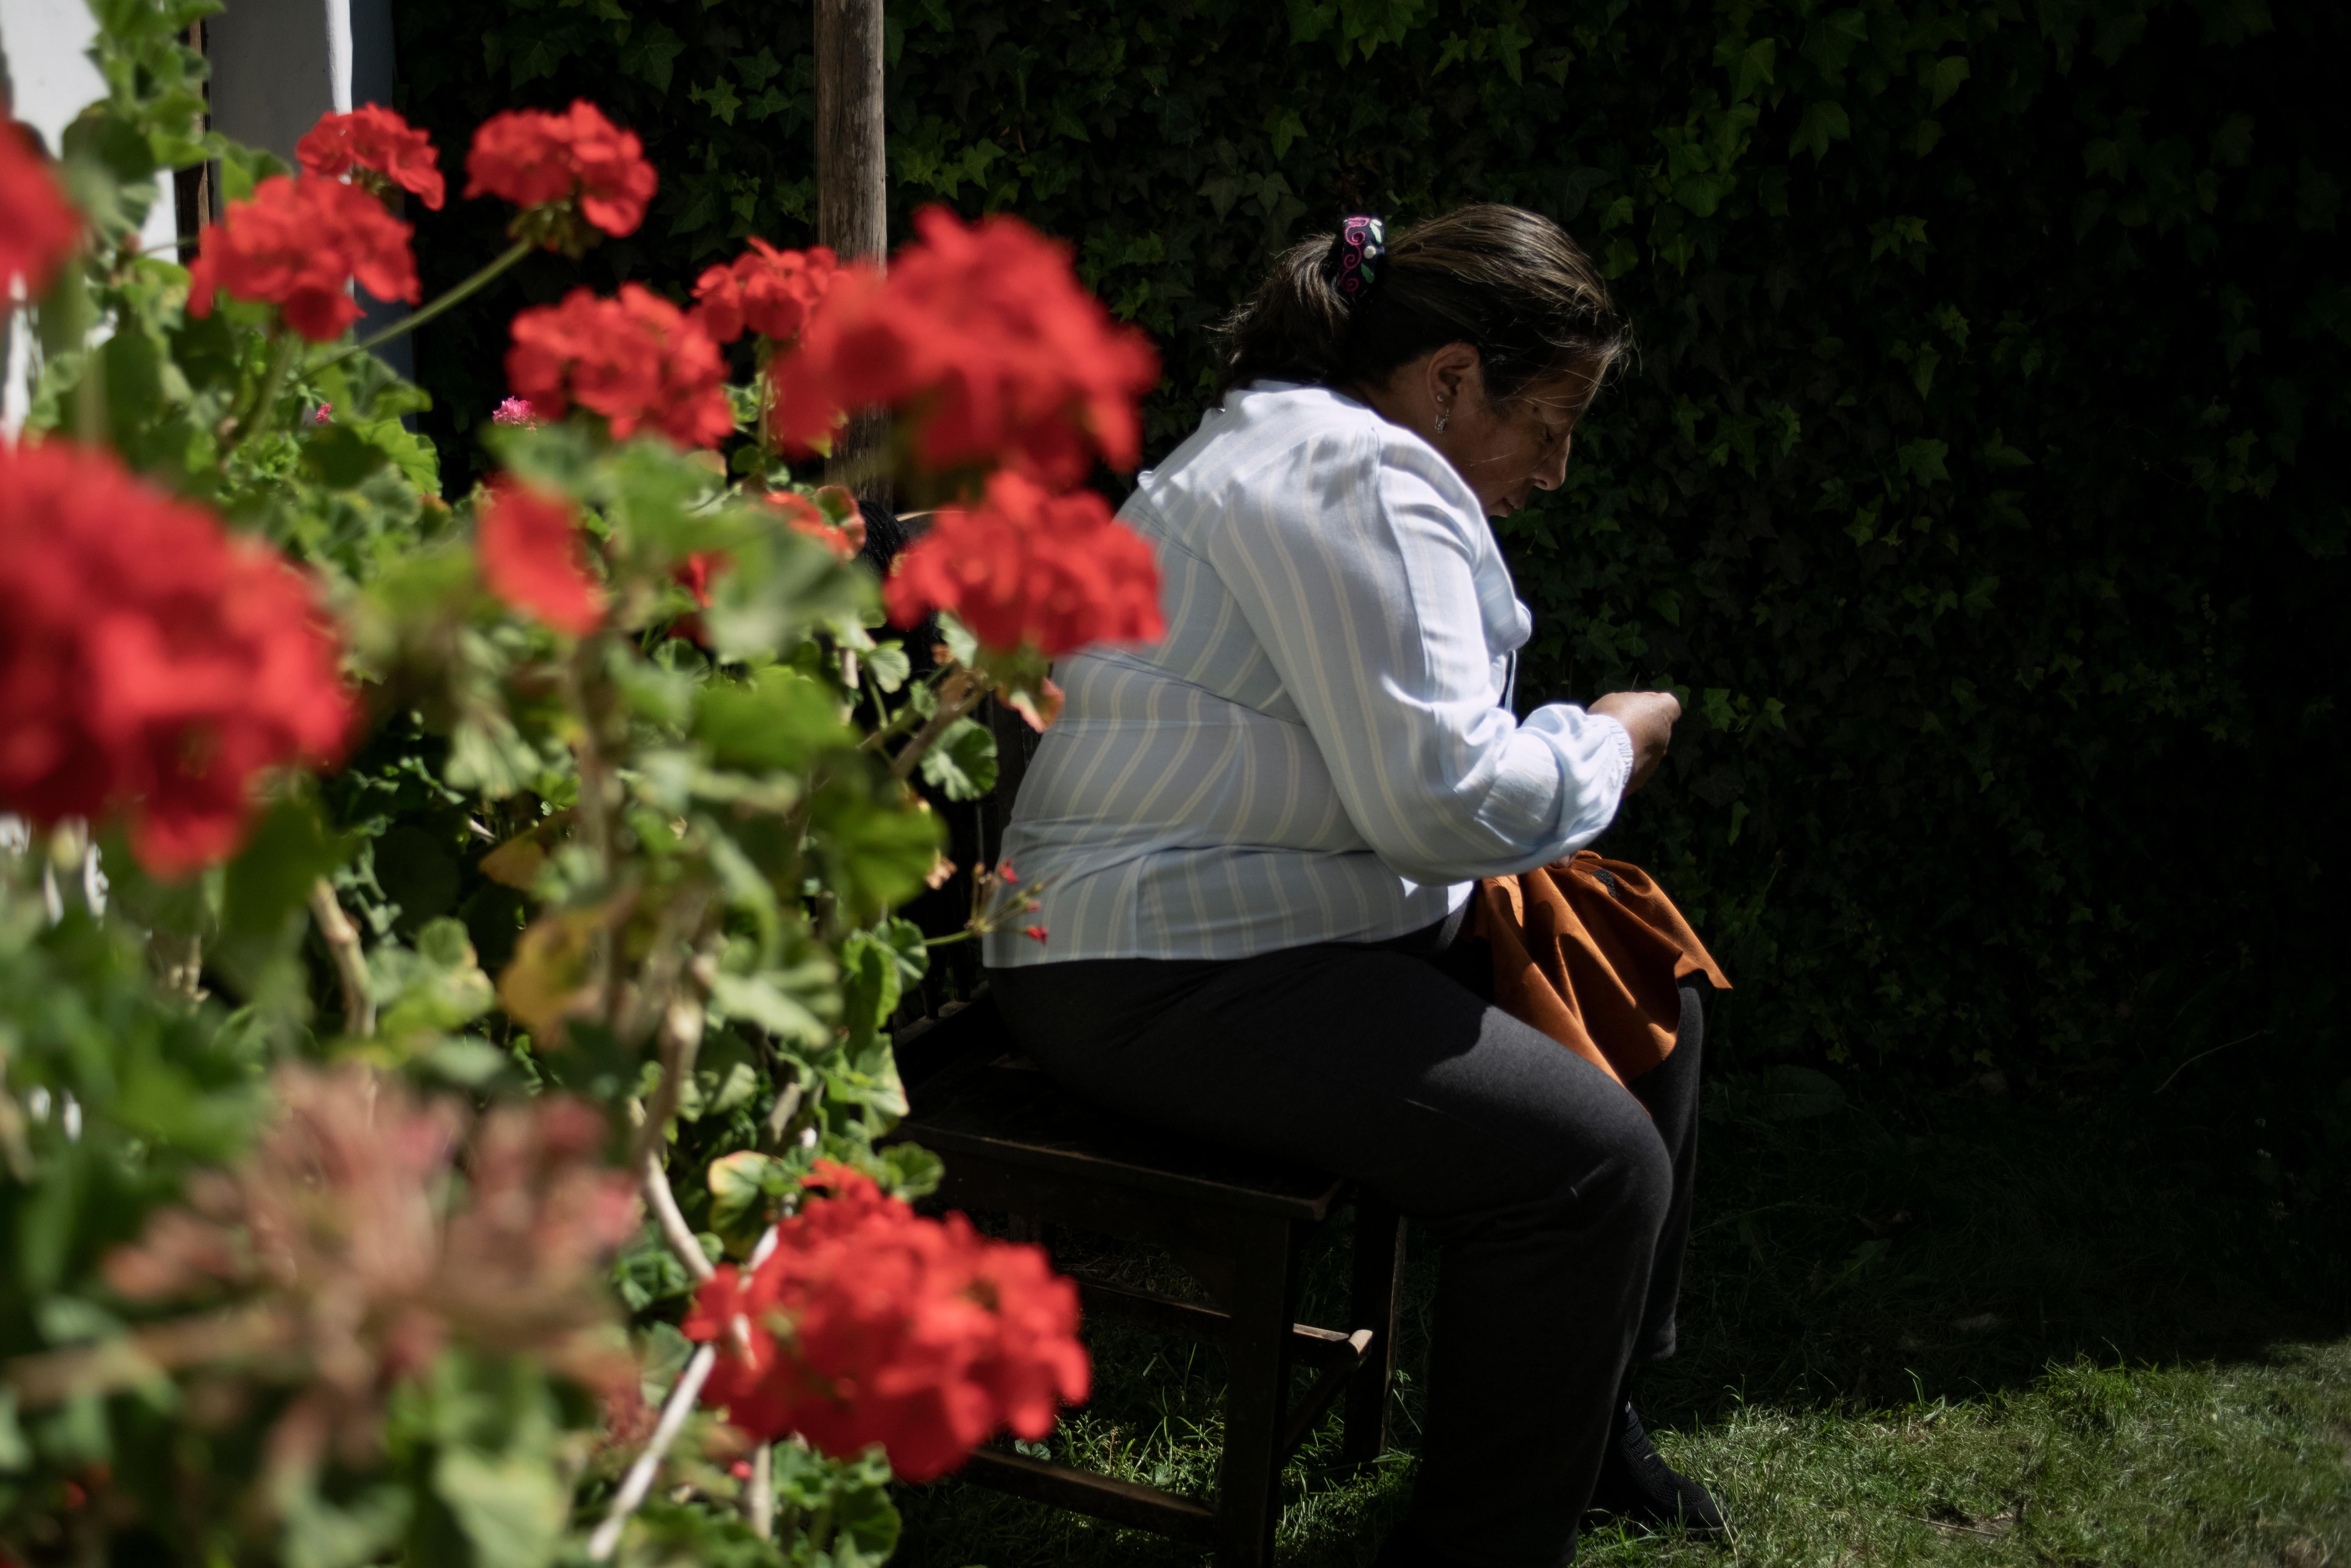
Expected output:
(1552, 475)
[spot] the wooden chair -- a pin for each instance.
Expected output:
(1013, 1143)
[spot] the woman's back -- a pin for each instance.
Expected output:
(1316, 751)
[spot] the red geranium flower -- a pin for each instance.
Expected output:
(769, 290)
(38, 226)
(1027, 566)
(384, 150)
(637, 360)
(870, 1324)
(152, 663)
(296, 244)
(844, 538)
(533, 558)
(984, 333)
(532, 158)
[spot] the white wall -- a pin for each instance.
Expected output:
(278, 66)
(50, 79)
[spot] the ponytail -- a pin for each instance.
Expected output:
(1509, 282)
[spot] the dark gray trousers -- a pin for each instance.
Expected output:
(1559, 1201)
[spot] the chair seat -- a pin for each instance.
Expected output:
(985, 1099)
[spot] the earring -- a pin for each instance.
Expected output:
(1443, 414)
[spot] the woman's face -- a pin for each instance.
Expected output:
(1506, 450)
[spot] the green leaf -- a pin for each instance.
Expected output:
(512, 1507)
(743, 1187)
(726, 1074)
(651, 54)
(431, 990)
(1283, 126)
(1751, 67)
(719, 97)
(889, 664)
(1946, 76)
(962, 761)
(1923, 461)
(1823, 122)
(780, 720)
(1831, 41)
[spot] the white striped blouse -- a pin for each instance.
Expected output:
(1318, 750)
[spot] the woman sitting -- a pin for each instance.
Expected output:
(1257, 841)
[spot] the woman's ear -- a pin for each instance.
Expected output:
(1453, 374)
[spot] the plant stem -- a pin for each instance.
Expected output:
(675, 1410)
(640, 1478)
(289, 349)
(959, 694)
(342, 940)
(673, 1228)
(681, 1035)
(899, 722)
(449, 301)
(763, 1493)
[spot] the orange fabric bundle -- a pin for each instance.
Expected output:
(1593, 954)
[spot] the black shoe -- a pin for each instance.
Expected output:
(1636, 1484)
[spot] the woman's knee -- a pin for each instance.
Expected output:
(1620, 1177)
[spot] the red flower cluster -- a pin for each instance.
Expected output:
(769, 290)
(296, 244)
(532, 158)
(844, 538)
(637, 360)
(533, 558)
(38, 225)
(986, 339)
(1027, 566)
(870, 1324)
(150, 663)
(384, 149)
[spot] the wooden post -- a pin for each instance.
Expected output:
(852, 183)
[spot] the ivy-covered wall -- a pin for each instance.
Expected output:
(1979, 479)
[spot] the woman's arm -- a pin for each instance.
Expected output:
(1358, 577)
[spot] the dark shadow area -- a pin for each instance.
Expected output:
(1854, 1251)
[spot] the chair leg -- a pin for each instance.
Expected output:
(1261, 1302)
(1376, 1303)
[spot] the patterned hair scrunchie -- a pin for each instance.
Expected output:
(1356, 255)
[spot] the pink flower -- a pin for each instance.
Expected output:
(516, 411)
(325, 415)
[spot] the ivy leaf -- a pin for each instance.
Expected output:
(1823, 122)
(1751, 67)
(1945, 79)
(755, 69)
(1222, 191)
(540, 57)
(1833, 39)
(962, 761)
(719, 97)
(1999, 454)
(1923, 461)
(651, 55)
(1283, 127)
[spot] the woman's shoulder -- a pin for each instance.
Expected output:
(1302, 430)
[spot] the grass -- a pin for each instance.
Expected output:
(2077, 1323)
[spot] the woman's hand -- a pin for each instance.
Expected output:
(1648, 717)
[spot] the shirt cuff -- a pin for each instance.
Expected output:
(1624, 751)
